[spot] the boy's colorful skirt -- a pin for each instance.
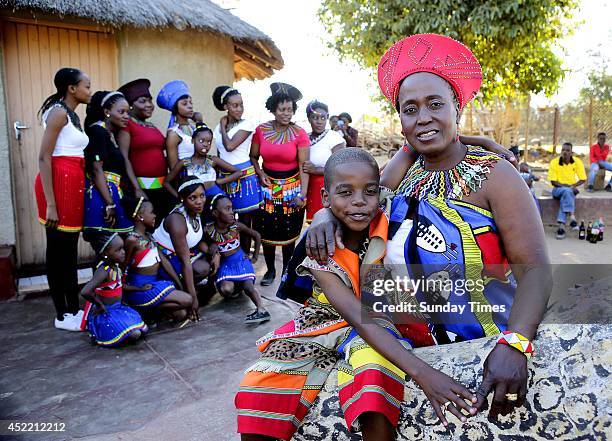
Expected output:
(113, 327)
(235, 268)
(95, 207)
(279, 389)
(160, 289)
(245, 193)
(68, 188)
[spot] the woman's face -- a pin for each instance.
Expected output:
(428, 113)
(202, 142)
(224, 211)
(235, 107)
(318, 120)
(194, 203)
(185, 107)
(119, 113)
(82, 90)
(143, 107)
(284, 113)
(146, 215)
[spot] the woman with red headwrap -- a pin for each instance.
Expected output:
(459, 214)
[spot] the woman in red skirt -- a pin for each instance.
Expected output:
(323, 142)
(59, 189)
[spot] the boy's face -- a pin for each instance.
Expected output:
(353, 195)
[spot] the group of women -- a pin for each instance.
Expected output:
(92, 175)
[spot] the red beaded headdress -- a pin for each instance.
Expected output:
(433, 53)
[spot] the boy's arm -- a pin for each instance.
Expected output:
(438, 387)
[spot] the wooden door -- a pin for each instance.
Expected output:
(32, 55)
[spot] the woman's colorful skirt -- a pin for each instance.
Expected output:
(245, 193)
(118, 323)
(95, 207)
(149, 299)
(68, 188)
(279, 221)
(314, 202)
(235, 268)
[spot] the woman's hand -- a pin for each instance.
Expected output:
(139, 193)
(324, 234)
(444, 394)
(505, 373)
(146, 287)
(100, 309)
(215, 262)
(223, 122)
(264, 180)
(308, 167)
(52, 217)
(298, 202)
(110, 215)
(193, 313)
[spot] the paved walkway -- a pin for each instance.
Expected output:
(175, 385)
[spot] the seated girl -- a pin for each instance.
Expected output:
(109, 322)
(180, 238)
(235, 269)
(202, 165)
(143, 261)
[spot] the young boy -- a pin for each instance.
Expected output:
(278, 390)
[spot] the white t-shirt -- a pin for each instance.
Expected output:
(242, 152)
(322, 150)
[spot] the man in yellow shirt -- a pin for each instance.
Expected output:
(566, 173)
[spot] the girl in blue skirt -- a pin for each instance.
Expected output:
(109, 322)
(236, 269)
(203, 166)
(148, 292)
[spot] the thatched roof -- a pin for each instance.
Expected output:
(256, 53)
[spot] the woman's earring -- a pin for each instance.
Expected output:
(108, 116)
(141, 219)
(457, 137)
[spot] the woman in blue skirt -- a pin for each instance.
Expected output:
(143, 260)
(109, 322)
(107, 113)
(235, 269)
(233, 136)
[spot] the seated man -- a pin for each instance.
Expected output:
(598, 156)
(566, 173)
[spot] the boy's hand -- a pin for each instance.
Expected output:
(444, 394)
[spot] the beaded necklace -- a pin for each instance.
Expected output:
(461, 180)
(74, 118)
(283, 136)
(316, 138)
(141, 122)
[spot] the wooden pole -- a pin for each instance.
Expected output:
(528, 111)
(555, 129)
(590, 121)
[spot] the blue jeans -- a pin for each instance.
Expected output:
(567, 200)
(595, 168)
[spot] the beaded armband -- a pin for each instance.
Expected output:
(517, 341)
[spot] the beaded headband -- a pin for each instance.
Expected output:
(109, 96)
(214, 199)
(228, 90)
(108, 241)
(194, 181)
(138, 205)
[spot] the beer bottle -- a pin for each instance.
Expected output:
(582, 231)
(594, 232)
(602, 227)
(588, 231)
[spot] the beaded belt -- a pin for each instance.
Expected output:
(113, 177)
(151, 183)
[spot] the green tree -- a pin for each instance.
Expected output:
(600, 86)
(512, 39)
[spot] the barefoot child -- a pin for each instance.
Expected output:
(235, 269)
(143, 261)
(203, 166)
(109, 322)
(278, 390)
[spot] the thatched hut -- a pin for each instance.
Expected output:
(114, 42)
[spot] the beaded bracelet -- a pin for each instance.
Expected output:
(518, 342)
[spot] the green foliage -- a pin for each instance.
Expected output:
(512, 39)
(600, 87)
